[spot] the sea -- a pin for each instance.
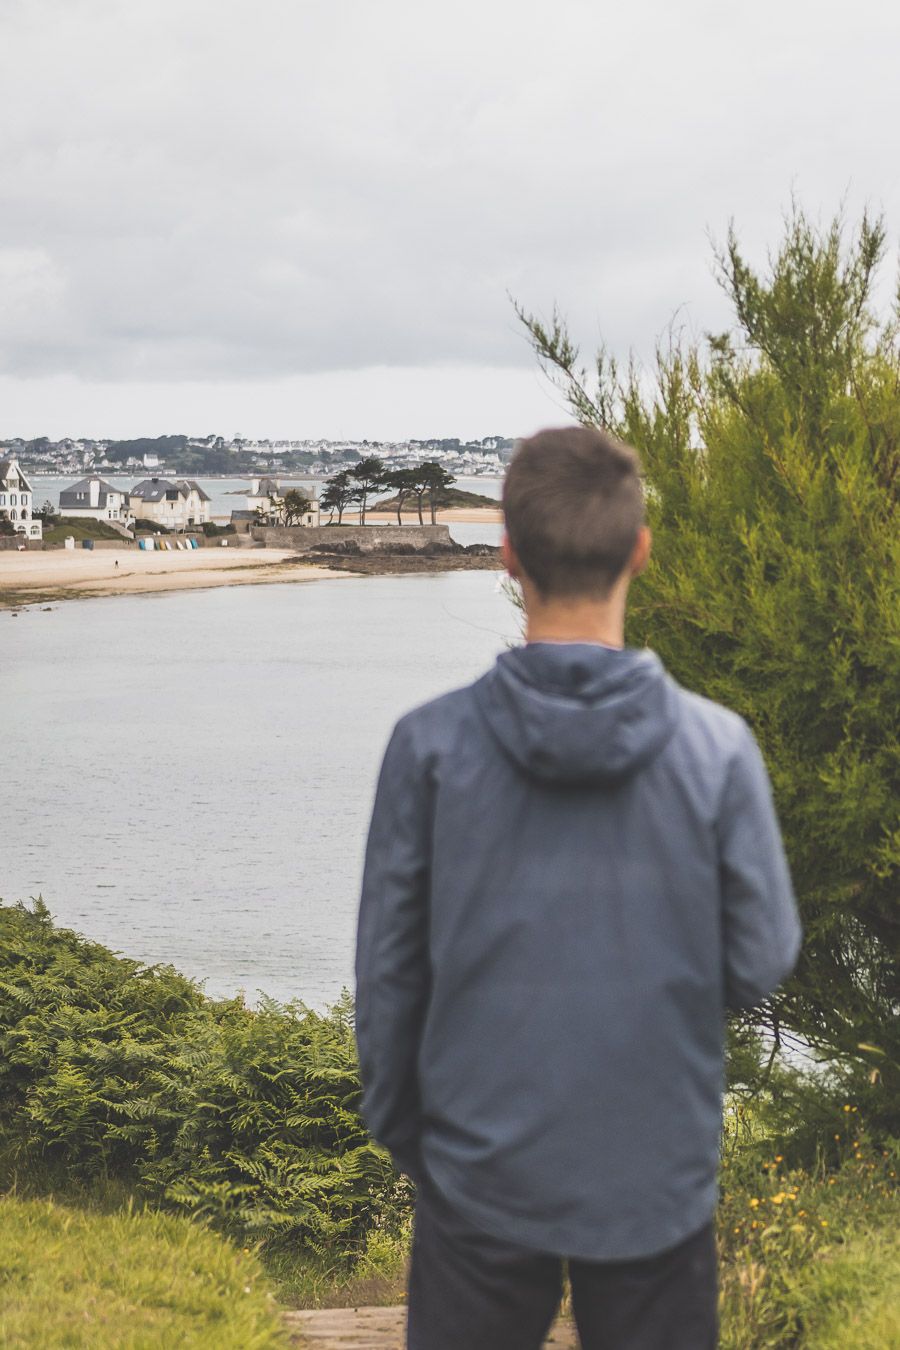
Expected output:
(189, 776)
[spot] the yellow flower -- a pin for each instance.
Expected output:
(778, 1199)
(754, 1203)
(778, 1158)
(847, 1107)
(824, 1223)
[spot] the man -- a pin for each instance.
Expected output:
(573, 868)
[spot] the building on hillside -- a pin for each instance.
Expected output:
(182, 505)
(95, 499)
(265, 503)
(17, 500)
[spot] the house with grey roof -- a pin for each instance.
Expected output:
(95, 499)
(265, 503)
(17, 500)
(179, 505)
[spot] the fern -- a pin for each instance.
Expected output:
(248, 1118)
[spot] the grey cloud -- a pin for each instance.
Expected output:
(193, 190)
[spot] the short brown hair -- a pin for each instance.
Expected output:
(573, 506)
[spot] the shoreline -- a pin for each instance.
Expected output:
(40, 578)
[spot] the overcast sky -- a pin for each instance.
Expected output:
(304, 217)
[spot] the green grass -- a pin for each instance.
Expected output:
(76, 528)
(810, 1258)
(375, 1278)
(133, 1281)
(852, 1298)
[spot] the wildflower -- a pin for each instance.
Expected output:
(778, 1199)
(754, 1224)
(837, 1136)
(754, 1203)
(801, 1213)
(778, 1158)
(737, 1230)
(824, 1223)
(847, 1107)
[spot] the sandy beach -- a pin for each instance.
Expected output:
(26, 578)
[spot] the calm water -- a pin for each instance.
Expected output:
(195, 771)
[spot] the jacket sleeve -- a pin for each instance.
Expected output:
(392, 970)
(761, 930)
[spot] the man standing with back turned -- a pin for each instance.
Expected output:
(573, 869)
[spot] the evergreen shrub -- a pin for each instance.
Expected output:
(115, 1071)
(771, 454)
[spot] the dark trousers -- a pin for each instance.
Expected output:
(469, 1291)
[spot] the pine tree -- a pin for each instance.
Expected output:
(772, 463)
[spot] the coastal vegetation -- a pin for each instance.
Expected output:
(426, 483)
(58, 528)
(154, 1113)
(772, 461)
(91, 1280)
(449, 498)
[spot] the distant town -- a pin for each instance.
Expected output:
(239, 456)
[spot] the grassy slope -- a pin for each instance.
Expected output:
(80, 529)
(78, 1279)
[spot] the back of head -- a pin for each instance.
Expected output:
(573, 506)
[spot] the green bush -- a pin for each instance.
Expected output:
(248, 1117)
(773, 490)
(127, 1281)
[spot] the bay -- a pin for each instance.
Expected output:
(194, 772)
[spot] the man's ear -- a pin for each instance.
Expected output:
(640, 554)
(510, 559)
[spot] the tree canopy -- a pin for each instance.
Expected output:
(771, 455)
(368, 476)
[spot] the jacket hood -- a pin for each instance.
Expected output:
(577, 713)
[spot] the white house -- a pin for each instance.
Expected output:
(17, 500)
(95, 499)
(182, 505)
(265, 500)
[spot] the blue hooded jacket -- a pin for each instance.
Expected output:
(573, 868)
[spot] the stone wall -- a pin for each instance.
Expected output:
(397, 539)
(9, 541)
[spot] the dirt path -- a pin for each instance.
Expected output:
(378, 1329)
